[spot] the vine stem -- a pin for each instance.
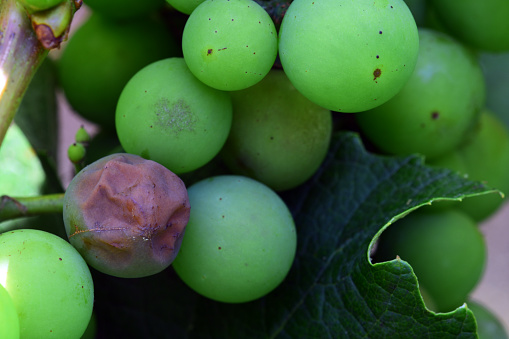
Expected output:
(12, 208)
(21, 54)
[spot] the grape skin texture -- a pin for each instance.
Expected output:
(434, 111)
(240, 241)
(49, 282)
(445, 249)
(229, 44)
(167, 115)
(345, 55)
(278, 136)
(9, 320)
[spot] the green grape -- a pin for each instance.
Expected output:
(434, 111)
(39, 5)
(126, 215)
(445, 249)
(348, 56)
(240, 241)
(101, 57)
(185, 6)
(82, 136)
(229, 44)
(485, 157)
(486, 30)
(76, 153)
(167, 115)
(278, 136)
(49, 283)
(9, 321)
(488, 324)
(124, 9)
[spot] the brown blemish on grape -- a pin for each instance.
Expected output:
(127, 215)
(376, 73)
(435, 115)
(209, 51)
(175, 117)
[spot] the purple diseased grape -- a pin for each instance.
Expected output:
(126, 215)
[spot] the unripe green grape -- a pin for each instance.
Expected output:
(39, 5)
(126, 215)
(434, 111)
(484, 157)
(229, 44)
(124, 9)
(481, 24)
(9, 320)
(489, 325)
(76, 153)
(185, 6)
(82, 136)
(240, 241)
(345, 55)
(49, 283)
(446, 250)
(100, 58)
(167, 115)
(278, 136)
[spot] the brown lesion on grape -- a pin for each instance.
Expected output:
(209, 51)
(435, 115)
(376, 73)
(174, 116)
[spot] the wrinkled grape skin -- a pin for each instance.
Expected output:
(434, 111)
(126, 215)
(49, 283)
(167, 115)
(446, 250)
(240, 242)
(278, 136)
(229, 44)
(348, 56)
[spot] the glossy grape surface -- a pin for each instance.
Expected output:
(348, 56)
(445, 249)
(434, 111)
(167, 115)
(49, 283)
(278, 136)
(229, 44)
(240, 241)
(9, 328)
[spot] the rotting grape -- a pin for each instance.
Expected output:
(348, 56)
(240, 241)
(167, 115)
(278, 136)
(434, 112)
(446, 250)
(100, 58)
(229, 44)
(49, 283)
(126, 215)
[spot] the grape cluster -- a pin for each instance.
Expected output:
(212, 110)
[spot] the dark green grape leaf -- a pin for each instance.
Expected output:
(332, 290)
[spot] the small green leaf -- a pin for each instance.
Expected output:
(332, 290)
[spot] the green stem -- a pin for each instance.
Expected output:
(21, 53)
(12, 208)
